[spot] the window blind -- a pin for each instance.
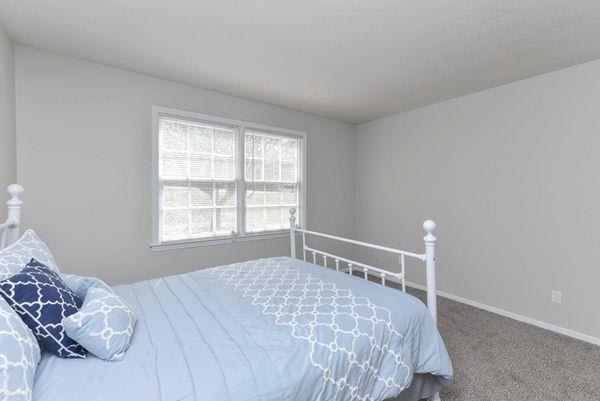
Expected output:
(272, 180)
(197, 179)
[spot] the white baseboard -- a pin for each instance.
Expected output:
(511, 315)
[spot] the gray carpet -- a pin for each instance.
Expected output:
(500, 359)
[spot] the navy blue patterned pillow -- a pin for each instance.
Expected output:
(43, 300)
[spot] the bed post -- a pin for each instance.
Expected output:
(430, 240)
(293, 232)
(429, 227)
(14, 212)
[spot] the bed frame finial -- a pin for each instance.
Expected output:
(293, 232)
(429, 227)
(15, 190)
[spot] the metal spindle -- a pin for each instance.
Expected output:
(350, 268)
(337, 264)
(293, 232)
(314, 257)
(304, 246)
(366, 273)
(324, 260)
(403, 273)
(382, 278)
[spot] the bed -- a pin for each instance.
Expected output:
(281, 328)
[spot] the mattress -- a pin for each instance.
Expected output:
(267, 330)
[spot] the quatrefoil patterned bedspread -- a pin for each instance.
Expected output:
(268, 330)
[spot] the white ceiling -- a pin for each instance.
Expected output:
(353, 60)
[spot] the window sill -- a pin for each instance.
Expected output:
(170, 246)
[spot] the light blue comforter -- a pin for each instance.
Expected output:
(269, 330)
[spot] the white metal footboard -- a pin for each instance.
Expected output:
(352, 266)
(428, 258)
(9, 230)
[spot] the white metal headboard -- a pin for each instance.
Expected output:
(428, 258)
(9, 230)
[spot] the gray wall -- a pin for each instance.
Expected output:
(84, 157)
(512, 176)
(8, 162)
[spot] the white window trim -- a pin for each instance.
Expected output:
(157, 245)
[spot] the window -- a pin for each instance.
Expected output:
(272, 180)
(219, 180)
(197, 181)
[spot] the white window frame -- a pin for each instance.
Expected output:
(240, 182)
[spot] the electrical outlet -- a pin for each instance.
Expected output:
(556, 297)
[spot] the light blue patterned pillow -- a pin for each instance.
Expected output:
(81, 284)
(15, 256)
(104, 324)
(19, 356)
